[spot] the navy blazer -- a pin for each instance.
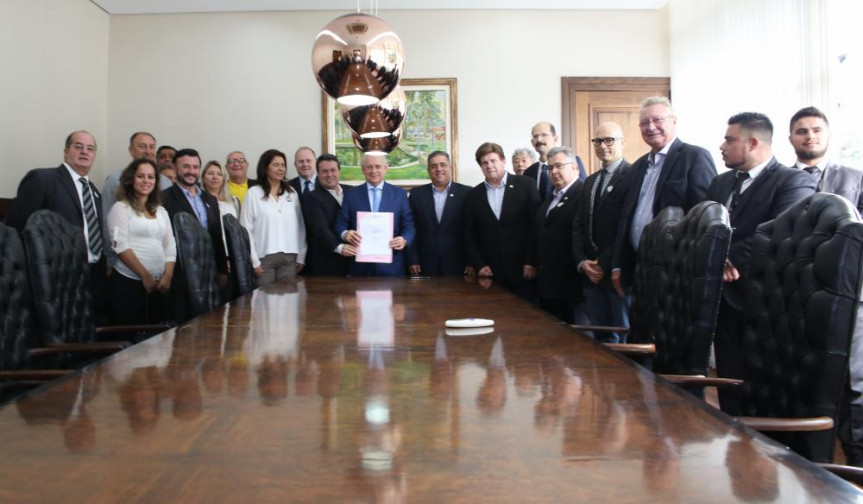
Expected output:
(556, 273)
(686, 174)
(175, 201)
(393, 199)
(320, 209)
(439, 247)
(605, 220)
(504, 244)
(775, 189)
(51, 189)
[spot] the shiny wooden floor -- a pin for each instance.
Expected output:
(351, 391)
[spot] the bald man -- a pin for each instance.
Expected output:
(595, 228)
(543, 137)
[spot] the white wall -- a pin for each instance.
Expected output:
(54, 59)
(220, 82)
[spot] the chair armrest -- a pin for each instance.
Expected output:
(851, 474)
(33, 374)
(701, 381)
(120, 329)
(598, 328)
(787, 424)
(632, 348)
(95, 347)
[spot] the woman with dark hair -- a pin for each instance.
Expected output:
(272, 215)
(143, 239)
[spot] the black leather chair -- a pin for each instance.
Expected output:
(676, 292)
(802, 294)
(195, 290)
(239, 256)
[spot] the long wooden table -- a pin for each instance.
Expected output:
(351, 391)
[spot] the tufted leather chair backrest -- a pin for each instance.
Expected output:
(15, 320)
(242, 273)
(653, 258)
(59, 279)
(689, 290)
(196, 262)
(801, 306)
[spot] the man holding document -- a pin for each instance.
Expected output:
(375, 223)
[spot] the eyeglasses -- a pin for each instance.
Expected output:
(558, 166)
(236, 161)
(79, 147)
(607, 141)
(656, 121)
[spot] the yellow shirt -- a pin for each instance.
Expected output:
(238, 190)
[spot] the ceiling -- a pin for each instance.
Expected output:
(178, 6)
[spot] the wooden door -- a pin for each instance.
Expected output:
(590, 101)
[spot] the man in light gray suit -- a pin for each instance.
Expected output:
(810, 137)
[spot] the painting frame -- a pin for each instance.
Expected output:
(442, 91)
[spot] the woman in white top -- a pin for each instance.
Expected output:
(142, 237)
(272, 215)
(213, 179)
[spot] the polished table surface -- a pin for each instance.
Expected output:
(332, 391)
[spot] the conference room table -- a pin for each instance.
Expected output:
(354, 391)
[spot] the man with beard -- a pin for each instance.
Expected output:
(543, 137)
(810, 137)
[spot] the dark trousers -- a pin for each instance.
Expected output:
(132, 305)
(729, 356)
(99, 291)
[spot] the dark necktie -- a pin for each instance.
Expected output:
(595, 197)
(306, 186)
(814, 171)
(543, 181)
(94, 234)
(738, 186)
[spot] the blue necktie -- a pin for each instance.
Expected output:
(306, 187)
(543, 181)
(376, 199)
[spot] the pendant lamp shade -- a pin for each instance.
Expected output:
(378, 120)
(378, 146)
(357, 59)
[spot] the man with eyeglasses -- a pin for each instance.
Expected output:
(238, 175)
(543, 137)
(69, 191)
(304, 162)
(595, 228)
(673, 173)
(141, 145)
(557, 283)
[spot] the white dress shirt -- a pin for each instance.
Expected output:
(275, 225)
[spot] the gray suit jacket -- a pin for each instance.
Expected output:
(844, 181)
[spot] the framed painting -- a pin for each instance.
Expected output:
(430, 124)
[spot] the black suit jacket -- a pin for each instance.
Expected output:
(686, 174)
(556, 274)
(438, 248)
(505, 245)
(51, 189)
(605, 220)
(775, 189)
(295, 183)
(320, 209)
(533, 172)
(175, 201)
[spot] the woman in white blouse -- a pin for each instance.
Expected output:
(272, 215)
(214, 179)
(142, 237)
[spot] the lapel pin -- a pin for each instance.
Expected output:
(560, 204)
(451, 195)
(510, 186)
(609, 188)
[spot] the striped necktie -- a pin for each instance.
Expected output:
(94, 238)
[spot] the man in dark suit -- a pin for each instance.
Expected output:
(69, 191)
(306, 179)
(810, 136)
(438, 212)
(557, 283)
(187, 196)
(364, 198)
(543, 137)
(755, 190)
(600, 206)
(320, 208)
(499, 215)
(238, 182)
(673, 173)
